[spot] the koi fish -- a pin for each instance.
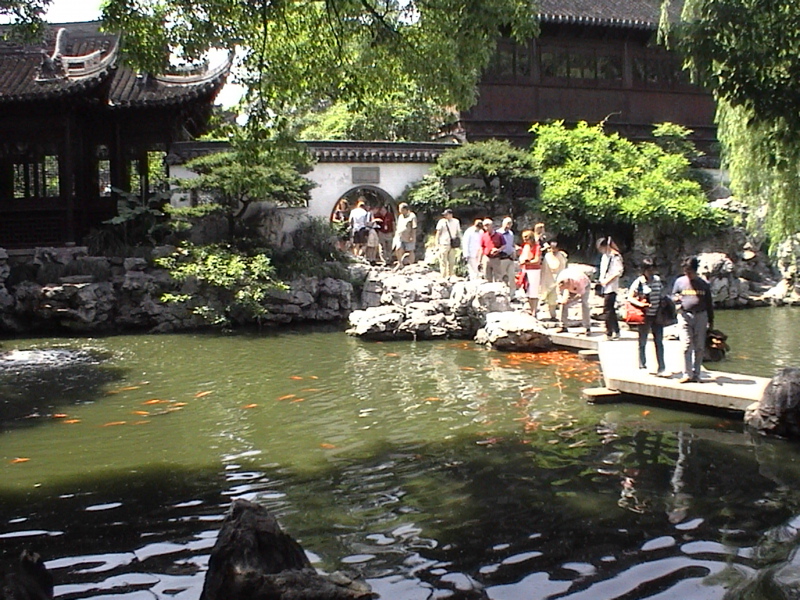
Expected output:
(286, 397)
(179, 404)
(313, 377)
(391, 354)
(155, 401)
(143, 413)
(295, 377)
(113, 423)
(59, 416)
(311, 390)
(327, 446)
(298, 400)
(71, 421)
(467, 368)
(15, 461)
(202, 394)
(140, 423)
(123, 389)
(250, 405)
(432, 399)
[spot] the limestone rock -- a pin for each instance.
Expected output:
(514, 332)
(778, 411)
(253, 559)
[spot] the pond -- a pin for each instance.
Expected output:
(426, 468)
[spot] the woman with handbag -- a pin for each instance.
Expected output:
(611, 268)
(645, 294)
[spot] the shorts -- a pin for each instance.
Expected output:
(360, 236)
(408, 246)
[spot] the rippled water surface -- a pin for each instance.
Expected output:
(431, 469)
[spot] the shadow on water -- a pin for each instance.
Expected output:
(36, 383)
(619, 511)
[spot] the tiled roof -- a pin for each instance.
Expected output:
(76, 58)
(345, 151)
(635, 14)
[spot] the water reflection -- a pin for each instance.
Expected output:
(434, 469)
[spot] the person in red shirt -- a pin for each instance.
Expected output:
(491, 247)
(386, 233)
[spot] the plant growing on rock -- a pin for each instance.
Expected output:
(229, 286)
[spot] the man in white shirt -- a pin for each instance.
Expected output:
(471, 249)
(405, 236)
(360, 223)
(448, 239)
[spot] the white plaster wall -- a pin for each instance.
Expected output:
(334, 180)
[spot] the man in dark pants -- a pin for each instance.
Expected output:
(692, 296)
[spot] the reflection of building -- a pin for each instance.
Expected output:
(595, 60)
(75, 123)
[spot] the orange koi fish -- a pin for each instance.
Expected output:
(142, 413)
(16, 461)
(250, 405)
(202, 394)
(286, 397)
(59, 416)
(327, 446)
(155, 401)
(113, 423)
(295, 377)
(71, 421)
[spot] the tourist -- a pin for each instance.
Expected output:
(448, 239)
(386, 233)
(573, 286)
(645, 292)
(553, 262)
(405, 236)
(692, 296)
(372, 249)
(341, 223)
(611, 268)
(508, 264)
(491, 247)
(360, 223)
(538, 234)
(530, 261)
(471, 249)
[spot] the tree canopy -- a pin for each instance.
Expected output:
(492, 175)
(746, 52)
(591, 180)
(297, 53)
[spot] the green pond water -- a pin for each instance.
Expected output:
(429, 469)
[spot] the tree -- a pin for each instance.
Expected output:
(593, 180)
(249, 173)
(746, 52)
(298, 53)
(490, 174)
(403, 115)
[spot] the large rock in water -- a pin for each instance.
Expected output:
(514, 332)
(778, 412)
(253, 559)
(29, 581)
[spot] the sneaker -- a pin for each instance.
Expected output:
(561, 330)
(686, 379)
(662, 373)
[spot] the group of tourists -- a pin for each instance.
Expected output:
(374, 233)
(540, 268)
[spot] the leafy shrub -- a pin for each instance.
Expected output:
(236, 282)
(591, 179)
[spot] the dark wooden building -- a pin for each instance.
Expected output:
(76, 123)
(594, 61)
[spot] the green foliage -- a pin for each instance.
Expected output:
(591, 180)
(296, 52)
(404, 115)
(139, 222)
(252, 171)
(745, 52)
(314, 252)
(493, 175)
(237, 282)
